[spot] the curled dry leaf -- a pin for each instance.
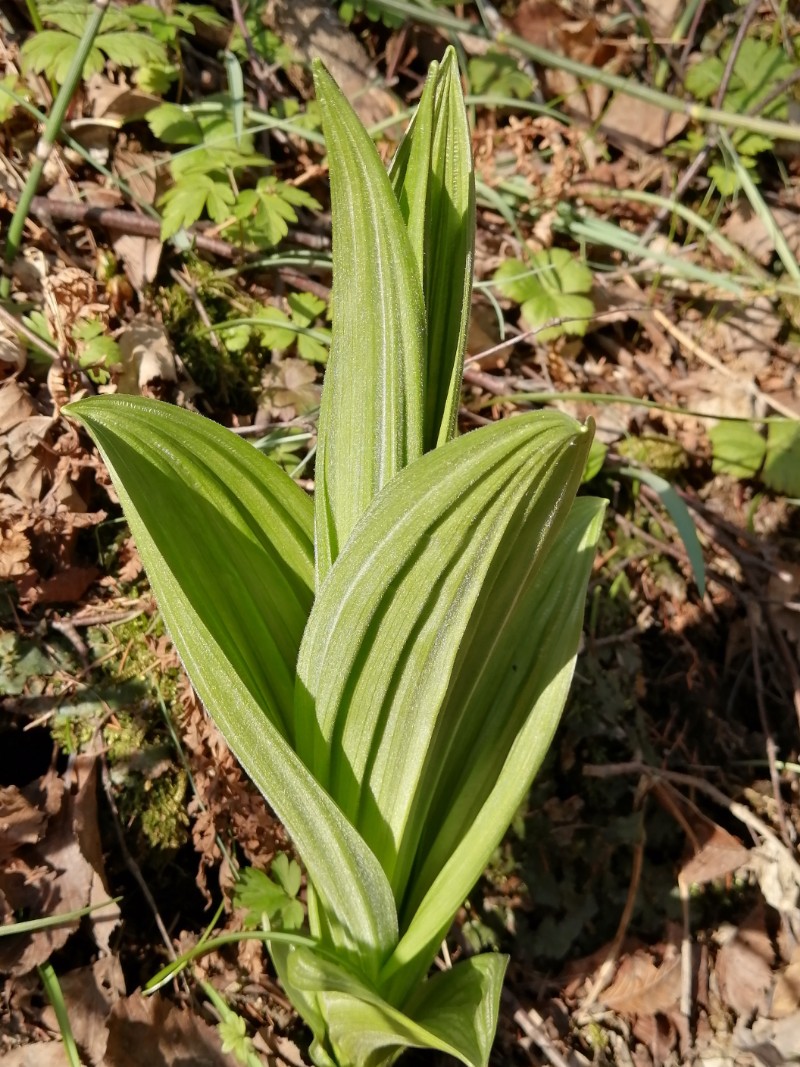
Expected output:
(152, 1032)
(147, 356)
(744, 966)
(643, 987)
(60, 870)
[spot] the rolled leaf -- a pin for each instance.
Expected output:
(434, 180)
(224, 535)
(455, 1012)
(385, 632)
(371, 415)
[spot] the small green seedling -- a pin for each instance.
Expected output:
(552, 285)
(390, 662)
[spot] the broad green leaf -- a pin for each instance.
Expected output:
(782, 464)
(456, 1011)
(434, 181)
(518, 661)
(225, 536)
(680, 515)
(371, 415)
(131, 48)
(738, 449)
(51, 52)
(385, 632)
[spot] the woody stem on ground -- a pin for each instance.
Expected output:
(439, 17)
(48, 140)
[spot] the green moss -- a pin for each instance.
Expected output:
(233, 379)
(657, 452)
(163, 818)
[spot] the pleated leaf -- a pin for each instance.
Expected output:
(385, 632)
(508, 701)
(455, 1012)
(371, 415)
(225, 537)
(433, 178)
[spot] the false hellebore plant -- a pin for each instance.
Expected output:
(388, 663)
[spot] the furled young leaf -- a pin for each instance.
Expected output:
(371, 416)
(384, 639)
(455, 1012)
(434, 181)
(225, 536)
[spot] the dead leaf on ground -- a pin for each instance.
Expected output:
(662, 15)
(786, 996)
(773, 1043)
(60, 871)
(40, 1054)
(290, 389)
(630, 123)
(643, 987)
(744, 966)
(747, 230)
(152, 1032)
(147, 356)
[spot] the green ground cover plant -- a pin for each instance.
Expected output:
(390, 662)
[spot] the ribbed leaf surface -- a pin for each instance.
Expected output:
(455, 1012)
(225, 536)
(433, 178)
(388, 625)
(505, 705)
(371, 415)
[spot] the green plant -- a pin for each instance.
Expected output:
(137, 37)
(760, 70)
(738, 449)
(552, 285)
(202, 176)
(390, 662)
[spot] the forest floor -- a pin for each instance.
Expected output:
(178, 246)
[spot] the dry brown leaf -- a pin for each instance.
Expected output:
(786, 995)
(65, 587)
(716, 854)
(15, 550)
(662, 15)
(773, 1043)
(55, 874)
(147, 355)
(744, 966)
(630, 123)
(643, 987)
(747, 230)
(40, 1054)
(152, 1032)
(21, 822)
(16, 405)
(290, 389)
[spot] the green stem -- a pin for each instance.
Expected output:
(48, 139)
(700, 112)
(35, 17)
(56, 998)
